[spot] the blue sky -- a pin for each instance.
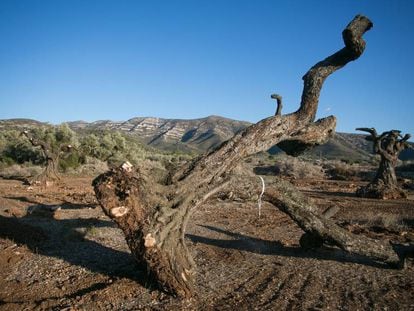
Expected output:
(92, 60)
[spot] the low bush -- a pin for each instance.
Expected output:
(340, 170)
(17, 171)
(297, 168)
(91, 167)
(290, 167)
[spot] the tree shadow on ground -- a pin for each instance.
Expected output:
(270, 170)
(63, 205)
(246, 243)
(330, 193)
(61, 239)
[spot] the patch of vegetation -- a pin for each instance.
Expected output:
(92, 153)
(387, 221)
(284, 165)
(344, 170)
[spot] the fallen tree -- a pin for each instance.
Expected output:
(388, 146)
(153, 214)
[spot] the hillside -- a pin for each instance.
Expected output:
(20, 123)
(196, 135)
(200, 135)
(344, 146)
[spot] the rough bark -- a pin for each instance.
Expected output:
(388, 146)
(154, 216)
(321, 230)
(318, 227)
(153, 234)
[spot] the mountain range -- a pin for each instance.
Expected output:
(200, 135)
(197, 135)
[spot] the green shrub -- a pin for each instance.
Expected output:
(72, 161)
(108, 147)
(20, 153)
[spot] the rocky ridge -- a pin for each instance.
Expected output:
(200, 135)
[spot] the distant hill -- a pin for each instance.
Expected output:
(200, 135)
(197, 135)
(20, 123)
(343, 146)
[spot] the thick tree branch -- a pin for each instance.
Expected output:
(268, 132)
(403, 144)
(279, 104)
(315, 134)
(290, 201)
(36, 143)
(318, 226)
(315, 77)
(371, 130)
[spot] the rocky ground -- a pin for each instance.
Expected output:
(59, 252)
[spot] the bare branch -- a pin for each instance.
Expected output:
(300, 209)
(315, 77)
(289, 201)
(279, 104)
(371, 130)
(268, 132)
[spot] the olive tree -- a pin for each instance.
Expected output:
(153, 214)
(388, 146)
(53, 142)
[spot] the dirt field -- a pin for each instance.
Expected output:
(59, 252)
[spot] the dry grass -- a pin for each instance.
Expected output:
(387, 221)
(92, 167)
(284, 165)
(340, 170)
(297, 168)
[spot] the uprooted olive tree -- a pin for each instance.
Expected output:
(388, 146)
(153, 214)
(53, 144)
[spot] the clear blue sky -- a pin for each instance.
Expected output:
(91, 60)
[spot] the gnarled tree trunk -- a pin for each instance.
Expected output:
(388, 146)
(50, 173)
(154, 215)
